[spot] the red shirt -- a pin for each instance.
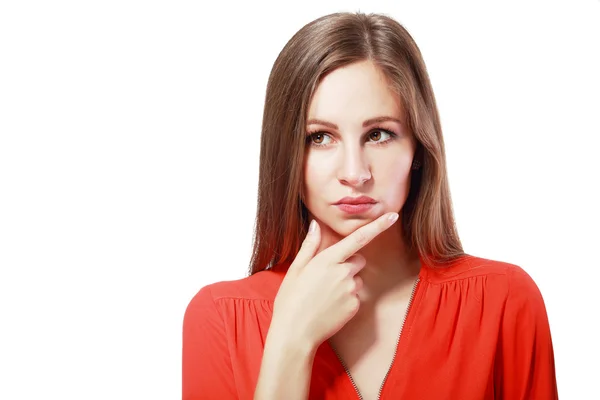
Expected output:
(477, 329)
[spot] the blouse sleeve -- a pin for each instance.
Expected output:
(525, 359)
(207, 371)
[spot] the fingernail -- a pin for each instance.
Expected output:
(393, 217)
(312, 226)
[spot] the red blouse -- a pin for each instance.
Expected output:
(476, 329)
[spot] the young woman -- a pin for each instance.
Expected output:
(361, 306)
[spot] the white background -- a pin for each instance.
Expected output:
(129, 162)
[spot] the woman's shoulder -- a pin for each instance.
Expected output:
(469, 266)
(496, 277)
(219, 303)
(261, 286)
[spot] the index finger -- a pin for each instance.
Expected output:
(358, 239)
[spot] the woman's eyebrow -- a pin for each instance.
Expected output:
(366, 123)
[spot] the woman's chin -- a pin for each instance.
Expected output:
(345, 226)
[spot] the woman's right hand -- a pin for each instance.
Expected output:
(318, 294)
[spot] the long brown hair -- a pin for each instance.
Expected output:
(321, 46)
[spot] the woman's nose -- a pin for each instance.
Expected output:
(354, 167)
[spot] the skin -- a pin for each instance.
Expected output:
(351, 162)
(352, 277)
(317, 297)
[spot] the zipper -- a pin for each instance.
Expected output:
(412, 295)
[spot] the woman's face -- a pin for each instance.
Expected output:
(346, 155)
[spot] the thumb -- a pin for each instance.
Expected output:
(309, 246)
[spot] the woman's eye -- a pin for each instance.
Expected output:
(323, 139)
(318, 138)
(376, 135)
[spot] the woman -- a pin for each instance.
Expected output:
(361, 306)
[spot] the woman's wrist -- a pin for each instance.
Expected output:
(292, 343)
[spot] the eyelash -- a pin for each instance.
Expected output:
(312, 133)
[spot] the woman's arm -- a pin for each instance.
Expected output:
(207, 371)
(286, 367)
(525, 357)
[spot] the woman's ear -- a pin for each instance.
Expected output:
(418, 157)
(301, 194)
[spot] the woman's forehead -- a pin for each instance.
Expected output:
(357, 92)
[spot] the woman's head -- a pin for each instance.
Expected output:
(345, 69)
(358, 144)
